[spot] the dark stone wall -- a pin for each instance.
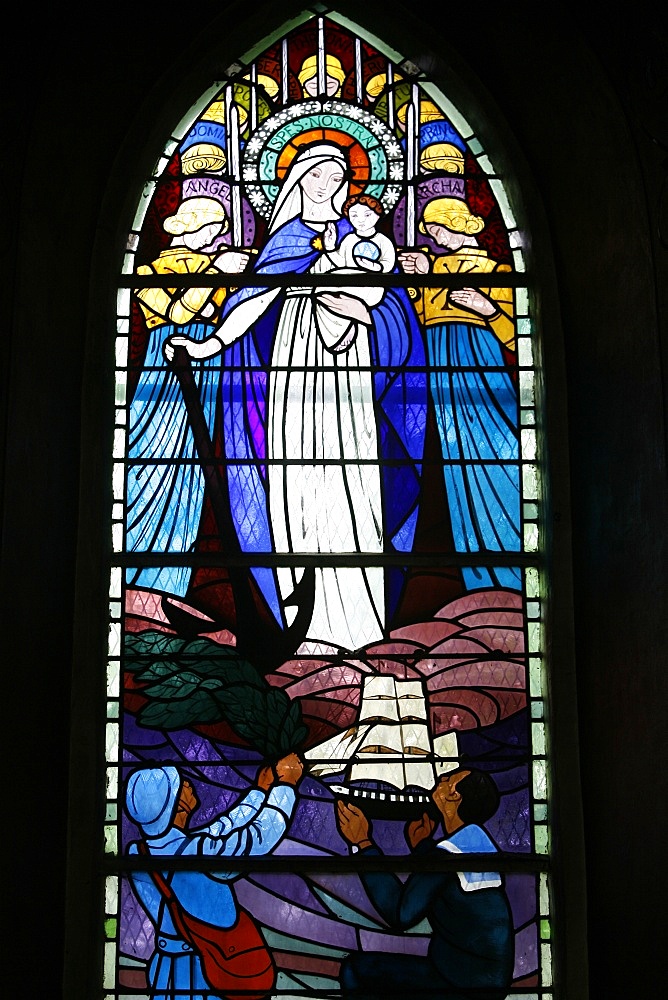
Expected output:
(575, 106)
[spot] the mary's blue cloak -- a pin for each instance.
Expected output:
(400, 397)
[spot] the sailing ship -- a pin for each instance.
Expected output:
(388, 762)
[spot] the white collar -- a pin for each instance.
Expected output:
(472, 839)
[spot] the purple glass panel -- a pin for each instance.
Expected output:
(325, 918)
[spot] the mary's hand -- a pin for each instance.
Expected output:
(195, 348)
(346, 305)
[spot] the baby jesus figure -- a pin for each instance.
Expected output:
(362, 250)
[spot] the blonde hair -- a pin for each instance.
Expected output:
(264, 80)
(216, 113)
(333, 68)
(377, 83)
(202, 156)
(452, 213)
(194, 213)
(443, 156)
(269, 84)
(428, 113)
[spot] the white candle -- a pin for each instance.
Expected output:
(235, 172)
(322, 74)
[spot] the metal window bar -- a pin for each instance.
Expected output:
(471, 279)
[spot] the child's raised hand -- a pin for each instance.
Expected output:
(329, 236)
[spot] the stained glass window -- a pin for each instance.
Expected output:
(326, 659)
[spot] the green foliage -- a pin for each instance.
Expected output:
(190, 682)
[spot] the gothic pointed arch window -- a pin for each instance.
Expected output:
(326, 655)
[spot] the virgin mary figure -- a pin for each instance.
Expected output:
(323, 420)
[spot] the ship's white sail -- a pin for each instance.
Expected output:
(332, 756)
(391, 742)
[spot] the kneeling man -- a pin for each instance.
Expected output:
(471, 951)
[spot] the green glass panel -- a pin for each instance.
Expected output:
(534, 631)
(539, 779)
(109, 980)
(538, 732)
(544, 898)
(110, 839)
(530, 482)
(535, 677)
(121, 388)
(111, 894)
(542, 839)
(112, 782)
(532, 582)
(113, 678)
(546, 963)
